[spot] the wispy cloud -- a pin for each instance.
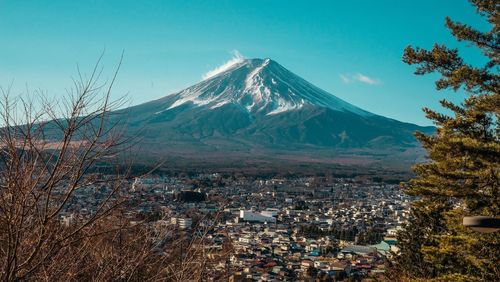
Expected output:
(236, 58)
(366, 79)
(359, 77)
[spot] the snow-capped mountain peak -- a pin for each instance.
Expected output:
(255, 109)
(259, 86)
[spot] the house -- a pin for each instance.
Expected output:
(359, 250)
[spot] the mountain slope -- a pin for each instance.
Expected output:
(257, 108)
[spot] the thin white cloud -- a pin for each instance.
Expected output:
(236, 59)
(359, 77)
(366, 79)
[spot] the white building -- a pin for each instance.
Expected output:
(256, 217)
(271, 212)
(183, 223)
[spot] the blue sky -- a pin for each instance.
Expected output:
(352, 49)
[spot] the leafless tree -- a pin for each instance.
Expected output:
(47, 153)
(49, 156)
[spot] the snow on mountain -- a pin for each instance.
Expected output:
(237, 58)
(260, 86)
(257, 109)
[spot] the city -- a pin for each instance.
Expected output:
(278, 229)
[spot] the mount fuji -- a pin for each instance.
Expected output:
(256, 109)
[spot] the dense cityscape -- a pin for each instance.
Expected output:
(278, 229)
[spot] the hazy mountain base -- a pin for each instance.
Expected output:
(255, 161)
(253, 156)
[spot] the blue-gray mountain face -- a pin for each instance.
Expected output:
(257, 109)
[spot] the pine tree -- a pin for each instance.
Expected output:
(462, 176)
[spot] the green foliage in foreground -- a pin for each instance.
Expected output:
(462, 176)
